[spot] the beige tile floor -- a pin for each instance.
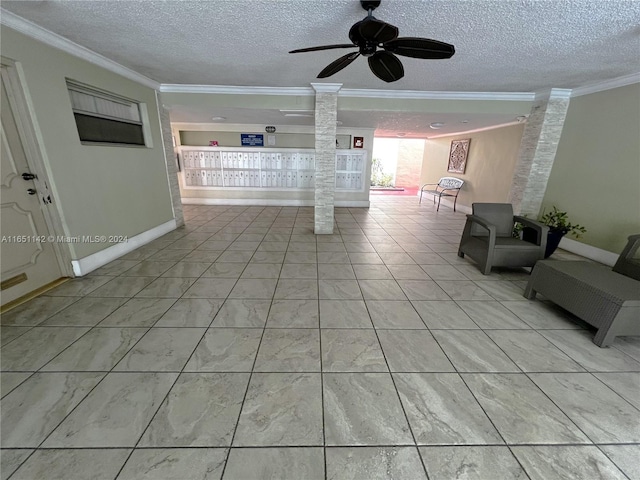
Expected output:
(244, 347)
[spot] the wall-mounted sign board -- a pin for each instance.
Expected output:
(343, 141)
(252, 140)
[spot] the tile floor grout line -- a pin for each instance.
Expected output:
(322, 404)
(246, 391)
(605, 385)
(164, 399)
(449, 372)
(96, 327)
(354, 445)
(504, 440)
(395, 387)
(612, 460)
(562, 348)
(591, 440)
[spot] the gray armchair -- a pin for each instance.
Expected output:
(487, 238)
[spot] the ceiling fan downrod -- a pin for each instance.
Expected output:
(370, 5)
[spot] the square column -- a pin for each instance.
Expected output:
(170, 160)
(325, 176)
(538, 151)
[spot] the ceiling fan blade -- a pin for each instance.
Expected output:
(337, 65)
(324, 47)
(419, 48)
(386, 66)
(376, 30)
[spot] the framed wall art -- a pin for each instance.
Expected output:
(458, 155)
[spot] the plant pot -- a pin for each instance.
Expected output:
(553, 239)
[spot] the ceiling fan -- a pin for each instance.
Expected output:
(370, 34)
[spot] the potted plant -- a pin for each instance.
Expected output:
(559, 226)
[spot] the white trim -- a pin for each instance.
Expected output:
(434, 95)
(235, 90)
(54, 40)
(560, 93)
(347, 92)
(607, 85)
(96, 260)
(589, 251)
(269, 202)
(326, 87)
(352, 203)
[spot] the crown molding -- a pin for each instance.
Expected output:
(54, 40)
(326, 87)
(607, 85)
(347, 92)
(236, 90)
(560, 93)
(419, 94)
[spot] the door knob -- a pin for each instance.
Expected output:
(28, 176)
(31, 191)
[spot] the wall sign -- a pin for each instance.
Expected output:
(358, 142)
(343, 141)
(252, 139)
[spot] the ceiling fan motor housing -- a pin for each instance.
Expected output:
(367, 47)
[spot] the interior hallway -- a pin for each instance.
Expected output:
(243, 346)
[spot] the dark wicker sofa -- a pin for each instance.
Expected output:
(608, 299)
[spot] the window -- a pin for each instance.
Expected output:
(105, 118)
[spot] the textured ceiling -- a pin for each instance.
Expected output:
(501, 45)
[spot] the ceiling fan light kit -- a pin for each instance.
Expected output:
(370, 34)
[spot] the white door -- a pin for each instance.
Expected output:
(28, 259)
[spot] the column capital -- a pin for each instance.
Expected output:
(326, 87)
(553, 93)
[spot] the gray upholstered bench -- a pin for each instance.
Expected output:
(602, 297)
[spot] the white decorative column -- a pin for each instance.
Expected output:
(325, 178)
(538, 151)
(170, 161)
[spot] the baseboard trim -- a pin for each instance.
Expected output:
(589, 251)
(96, 260)
(353, 203)
(268, 202)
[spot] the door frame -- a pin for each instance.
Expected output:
(33, 144)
